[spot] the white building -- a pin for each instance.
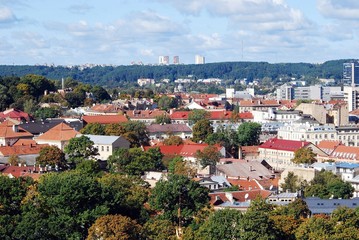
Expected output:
(272, 115)
(199, 59)
(163, 60)
(351, 96)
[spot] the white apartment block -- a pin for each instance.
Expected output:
(351, 96)
(314, 133)
(273, 115)
(199, 59)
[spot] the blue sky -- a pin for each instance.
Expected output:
(119, 32)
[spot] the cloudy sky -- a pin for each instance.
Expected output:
(122, 31)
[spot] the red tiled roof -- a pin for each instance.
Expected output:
(284, 145)
(249, 149)
(7, 130)
(17, 171)
(15, 114)
(61, 132)
(220, 115)
(328, 146)
(22, 142)
(244, 184)
(180, 115)
(185, 150)
(21, 149)
(106, 108)
(245, 115)
(239, 196)
(345, 152)
(104, 119)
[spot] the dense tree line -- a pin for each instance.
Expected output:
(116, 76)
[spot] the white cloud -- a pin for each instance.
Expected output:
(6, 15)
(343, 9)
(80, 8)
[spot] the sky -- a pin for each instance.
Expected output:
(119, 32)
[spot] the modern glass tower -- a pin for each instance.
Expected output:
(351, 74)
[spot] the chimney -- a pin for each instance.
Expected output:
(229, 196)
(15, 128)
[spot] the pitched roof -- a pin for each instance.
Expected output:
(148, 114)
(328, 146)
(104, 119)
(154, 128)
(180, 115)
(39, 127)
(284, 145)
(15, 114)
(238, 196)
(10, 130)
(345, 152)
(17, 171)
(245, 169)
(103, 139)
(220, 115)
(249, 149)
(61, 132)
(244, 184)
(27, 149)
(245, 115)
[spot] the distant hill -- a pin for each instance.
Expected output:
(109, 76)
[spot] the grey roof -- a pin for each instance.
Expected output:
(327, 206)
(103, 139)
(284, 195)
(29, 159)
(244, 169)
(220, 179)
(168, 128)
(38, 127)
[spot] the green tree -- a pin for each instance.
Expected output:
(159, 229)
(134, 161)
(114, 227)
(80, 149)
(94, 129)
(74, 99)
(173, 140)
(30, 106)
(64, 205)
(134, 132)
(285, 226)
(180, 167)
(196, 115)
(178, 199)
(201, 130)
(14, 160)
(165, 102)
(222, 224)
(209, 156)
(52, 156)
(163, 119)
(291, 182)
(47, 112)
(225, 137)
(316, 227)
(89, 168)
(248, 133)
(100, 94)
(326, 184)
(256, 223)
(304, 155)
(113, 129)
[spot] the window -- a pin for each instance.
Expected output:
(108, 148)
(102, 148)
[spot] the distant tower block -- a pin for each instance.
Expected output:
(199, 59)
(163, 60)
(176, 60)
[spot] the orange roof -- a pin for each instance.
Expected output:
(354, 112)
(180, 115)
(245, 184)
(184, 150)
(245, 115)
(250, 103)
(10, 130)
(220, 115)
(22, 142)
(345, 152)
(21, 149)
(15, 114)
(17, 171)
(61, 132)
(249, 149)
(140, 114)
(328, 146)
(104, 119)
(106, 108)
(239, 196)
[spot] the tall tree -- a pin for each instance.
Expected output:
(304, 155)
(248, 133)
(80, 149)
(52, 156)
(163, 119)
(159, 229)
(291, 182)
(93, 128)
(201, 130)
(178, 199)
(114, 227)
(209, 156)
(196, 115)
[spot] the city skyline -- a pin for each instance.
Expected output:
(121, 32)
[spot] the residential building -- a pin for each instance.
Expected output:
(58, 136)
(15, 114)
(318, 206)
(351, 96)
(39, 127)
(162, 131)
(279, 152)
(163, 60)
(317, 111)
(104, 119)
(242, 169)
(199, 59)
(214, 183)
(146, 116)
(351, 73)
(252, 105)
(285, 92)
(282, 198)
(10, 132)
(176, 60)
(106, 145)
(273, 115)
(145, 81)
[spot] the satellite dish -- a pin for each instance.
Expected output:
(246, 196)
(271, 187)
